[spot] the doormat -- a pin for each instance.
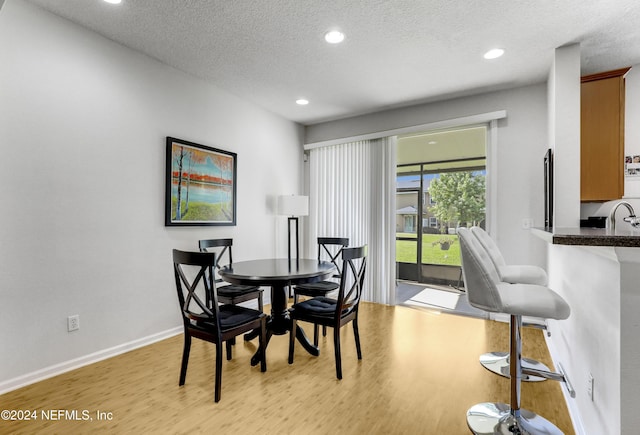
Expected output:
(435, 298)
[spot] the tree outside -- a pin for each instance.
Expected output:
(459, 199)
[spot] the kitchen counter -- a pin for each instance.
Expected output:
(597, 271)
(624, 236)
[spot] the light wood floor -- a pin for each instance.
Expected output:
(419, 375)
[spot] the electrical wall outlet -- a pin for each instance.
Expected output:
(527, 223)
(590, 386)
(73, 322)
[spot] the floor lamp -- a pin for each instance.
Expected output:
(293, 206)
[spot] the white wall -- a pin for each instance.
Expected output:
(564, 134)
(83, 123)
(522, 142)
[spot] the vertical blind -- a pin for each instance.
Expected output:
(352, 194)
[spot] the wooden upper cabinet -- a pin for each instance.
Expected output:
(602, 136)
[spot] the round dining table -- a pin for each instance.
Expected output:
(279, 274)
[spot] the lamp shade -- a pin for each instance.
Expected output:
(293, 205)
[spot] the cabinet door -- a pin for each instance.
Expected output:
(602, 139)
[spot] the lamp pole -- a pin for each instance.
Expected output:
(293, 206)
(295, 220)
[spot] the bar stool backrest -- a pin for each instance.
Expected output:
(490, 246)
(480, 274)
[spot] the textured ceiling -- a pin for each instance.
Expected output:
(396, 52)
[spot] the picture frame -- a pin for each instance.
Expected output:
(200, 186)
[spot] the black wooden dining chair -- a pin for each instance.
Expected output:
(210, 322)
(329, 249)
(229, 293)
(335, 313)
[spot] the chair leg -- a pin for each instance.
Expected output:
(218, 386)
(229, 344)
(356, 334)
(336, 346)
(263, 344)
(316, 332)
(324, 331)
(292, 339)
(185, 358)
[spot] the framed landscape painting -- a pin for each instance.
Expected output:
(200, 185)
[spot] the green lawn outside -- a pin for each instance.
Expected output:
(406, 251)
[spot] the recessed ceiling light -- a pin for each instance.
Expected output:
(494, 53)
(302, 102)
(114, 2)
(334, 37)
(432, 142)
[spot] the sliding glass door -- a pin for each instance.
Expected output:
(440, 187)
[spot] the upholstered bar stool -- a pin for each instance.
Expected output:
(487, 292)
(498, 362)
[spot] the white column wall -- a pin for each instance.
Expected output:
(83, 122)
(564, 134)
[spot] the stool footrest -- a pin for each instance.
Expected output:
(560, 377)
(536, 325)
(543, 374)
(498, 363)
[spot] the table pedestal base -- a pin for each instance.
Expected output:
(279, 323)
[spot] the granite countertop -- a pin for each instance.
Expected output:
(626, 236)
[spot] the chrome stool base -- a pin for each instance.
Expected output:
(498, 363)
(496, 419)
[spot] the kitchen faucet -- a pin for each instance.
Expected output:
(632, 219)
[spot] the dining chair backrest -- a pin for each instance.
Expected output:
(222, 249)
(228, 293)
(193, 280)
(330, 248)
(480, 275)
(354, 266)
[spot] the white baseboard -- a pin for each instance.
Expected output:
(57, 369)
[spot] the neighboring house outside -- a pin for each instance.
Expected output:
(407, 209)
(406, 219)
(407, 206)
